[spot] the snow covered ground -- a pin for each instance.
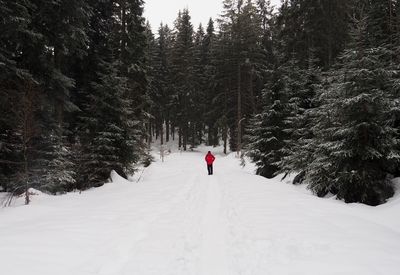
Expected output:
(177, 220)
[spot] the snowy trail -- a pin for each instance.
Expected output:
(179, 221)
(214, 259)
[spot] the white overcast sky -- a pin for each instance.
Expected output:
(166, 11)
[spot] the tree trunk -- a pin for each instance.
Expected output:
(239, 112)
(123, 31)
(200, 131)
(180, 138)
(185, 136)
(162, 134)
(225, 137)
(193, 130)
(173, 131)
(157, 124)
(59, 98)
(167, 129)
(252, 99)
(28, 123)
(149, 140)
(215, 137)
(209, 136)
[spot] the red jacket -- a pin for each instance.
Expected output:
(209, 158)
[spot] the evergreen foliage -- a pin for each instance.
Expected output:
(303, 86)
(182, 61)
(107, 117)
(318, 24)
(53, 57)
(268, 131)
(356, 145)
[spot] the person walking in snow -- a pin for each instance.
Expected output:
(210, 159)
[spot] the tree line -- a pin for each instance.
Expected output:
(73, 87)
(331, 106)
(312, 89)
(309, 88)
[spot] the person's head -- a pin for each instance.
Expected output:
(209, 152)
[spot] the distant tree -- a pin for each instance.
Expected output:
(182, 60)
(198, 101)
(211, 108)
(240, 63)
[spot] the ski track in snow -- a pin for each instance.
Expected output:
(179, 221)
(214, 259)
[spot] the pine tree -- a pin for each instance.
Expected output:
(113, 93)
(23, 138)
(211, 108)
(26, 65)
(225, 73)
(221, 86)
(239, 64)
(129, 40)
(106, 119)
(16, 37)
(182, 68)
(198, 100)
(381, 21)
(305, 24)
(154, 92)
(266, 133)
(355, 142)
(303, 85)
(163, 72)
(64, 25)
(396, 65)
(51, 55)
(55, 166)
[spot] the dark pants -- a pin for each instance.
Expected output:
(210, 169)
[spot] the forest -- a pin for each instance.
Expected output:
(310, 88)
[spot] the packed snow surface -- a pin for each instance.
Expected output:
(177, 220)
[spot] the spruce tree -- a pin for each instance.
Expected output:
(305, 24)
(163, 75)
(355, 142)
(381, 20)
(182, 69)
(239, 62)
(16, 38)
(129, 43)
(211, 108)
(56, 157)
(106, 118)
(396, 64)
(156, 118)
(198, 98)
(23, 83)
(304, 86)
(266, 134)
(64, 26)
